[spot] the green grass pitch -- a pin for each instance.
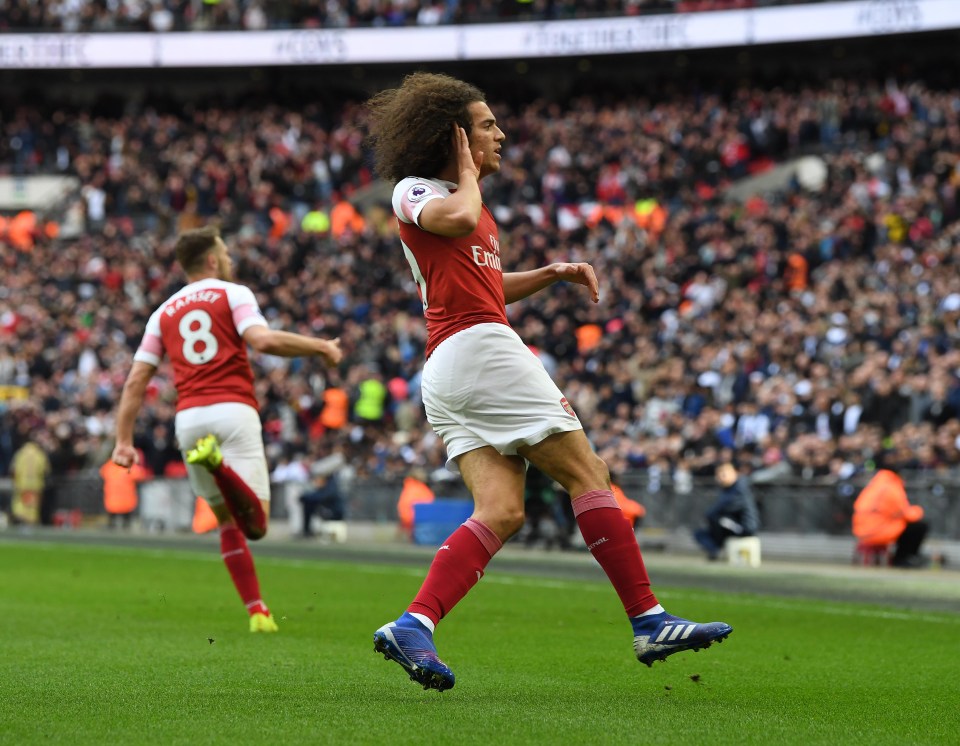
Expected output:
(137, 646)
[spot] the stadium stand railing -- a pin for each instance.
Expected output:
(799, 506)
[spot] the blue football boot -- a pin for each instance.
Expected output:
(410, 643)
(660, 635)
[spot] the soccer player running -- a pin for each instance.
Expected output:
(485, 394)
(204, 329)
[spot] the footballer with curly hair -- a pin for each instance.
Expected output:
(486, 394)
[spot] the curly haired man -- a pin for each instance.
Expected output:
(486, 394)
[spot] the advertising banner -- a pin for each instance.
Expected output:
(521, 40)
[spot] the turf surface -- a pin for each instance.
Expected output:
(128, 646)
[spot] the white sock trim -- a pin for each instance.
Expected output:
(658, 609)
(425, 621)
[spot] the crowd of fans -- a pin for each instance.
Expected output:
(256, 15)
(809, 330)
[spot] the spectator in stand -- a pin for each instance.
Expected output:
(701, 296)
(253, 15)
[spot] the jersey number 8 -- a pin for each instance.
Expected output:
(198, 337)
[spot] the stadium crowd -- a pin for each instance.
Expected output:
(256, 15)
(809, 330)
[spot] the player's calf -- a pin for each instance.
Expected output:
(242, 502)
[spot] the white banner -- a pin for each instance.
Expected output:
(309, 47)
(34, 192)
(605, 36)
(479, 42)
(856, 19)
(67, 51)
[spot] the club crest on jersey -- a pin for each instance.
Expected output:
(417, 192)
(566, 407)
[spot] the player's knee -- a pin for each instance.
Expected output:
(590, 474)
(505, 522)
(514, 520)
(599, 471)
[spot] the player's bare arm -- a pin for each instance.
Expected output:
(458, 214)
(287, 344)
(134, 389)
(519, 285)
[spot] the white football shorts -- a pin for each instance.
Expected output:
(484, 387)
(237, 427)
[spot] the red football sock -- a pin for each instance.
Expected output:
(236, 556)
(456, 568)
(614, 546)
(242, 502)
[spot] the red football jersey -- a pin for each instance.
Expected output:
(200, 328)
(460, 280)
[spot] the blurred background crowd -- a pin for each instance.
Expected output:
(256, 15)
(809, 331)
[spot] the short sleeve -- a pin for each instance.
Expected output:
(410, 195)
(150, 350)
(244, 307)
